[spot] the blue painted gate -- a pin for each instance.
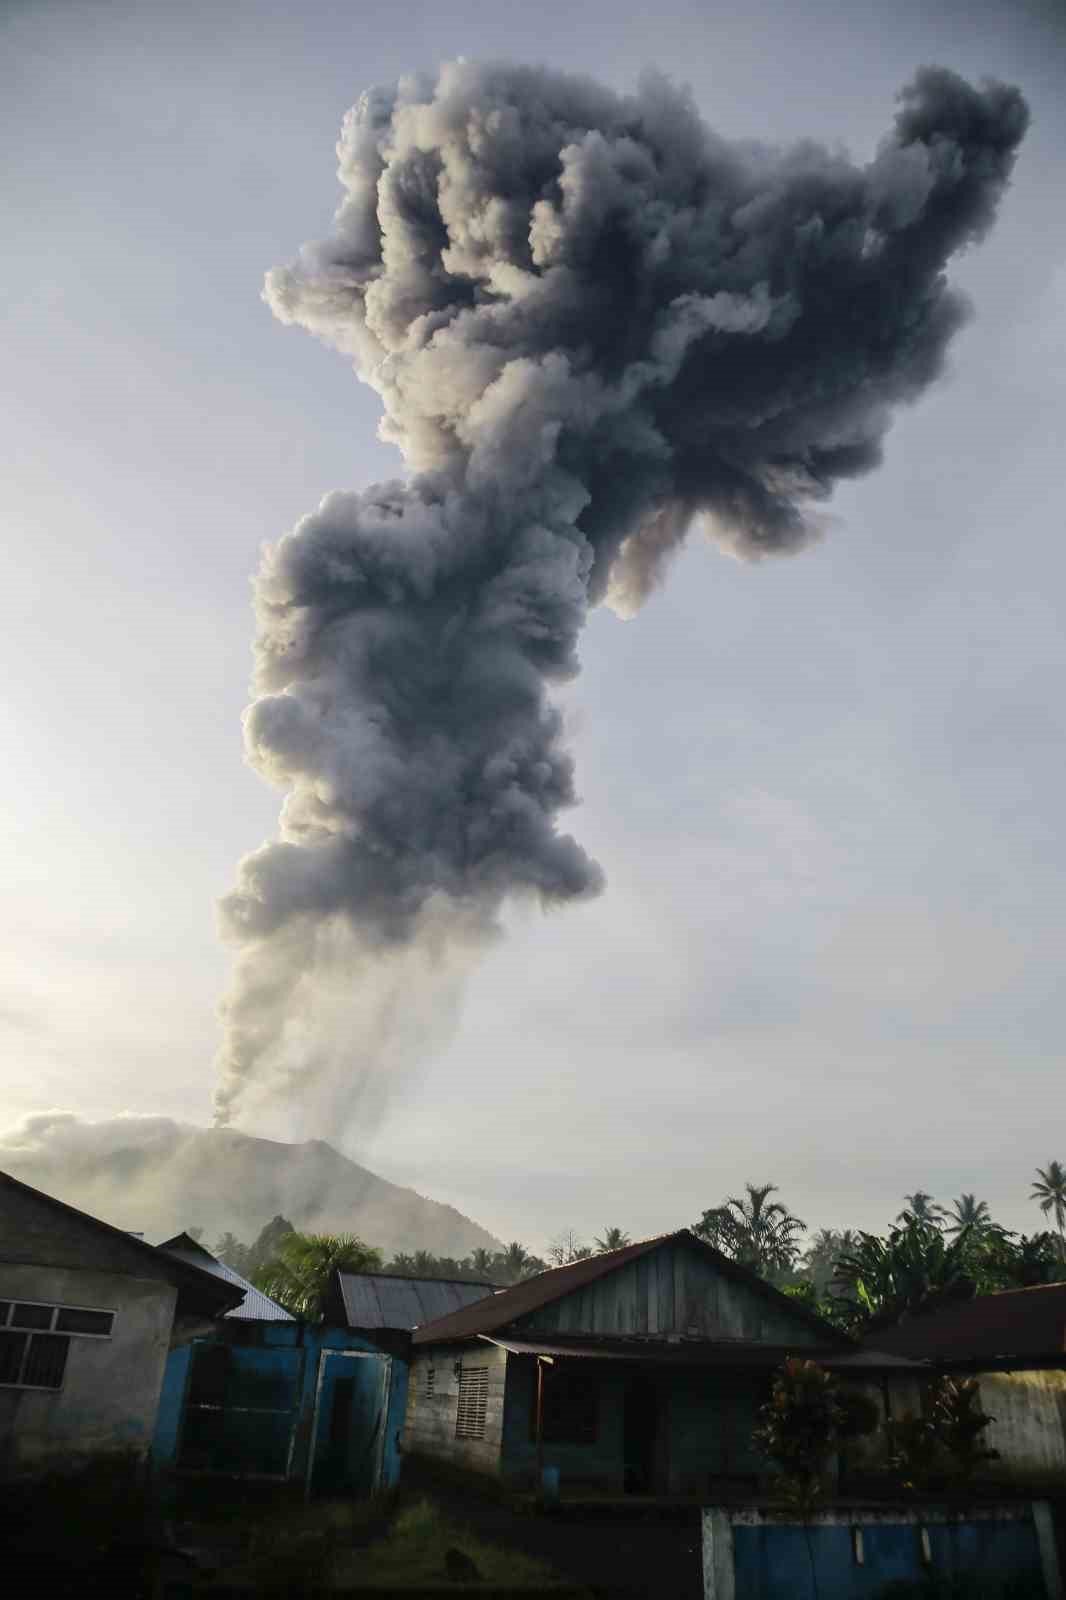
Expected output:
(348, 1431)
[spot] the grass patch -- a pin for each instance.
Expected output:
(416, 1550)
(346, 1544)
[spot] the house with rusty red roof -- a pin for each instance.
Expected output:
(638, 1370)
(1014, 1343)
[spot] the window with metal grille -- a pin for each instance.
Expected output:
(33, 1360)
(473, 1394)
(429, 1383)
(35, 1340)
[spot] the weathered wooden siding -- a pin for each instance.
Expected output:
(430, 1425)
(711, 1419)
(673, 1290)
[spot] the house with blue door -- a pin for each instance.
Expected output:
(262, 1397)
(90, 1318)
(385, 1309)
(636, 1371)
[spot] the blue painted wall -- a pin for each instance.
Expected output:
(772, 1561)
(274, 1369)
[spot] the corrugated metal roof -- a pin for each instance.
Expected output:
(380, 1300)
(1015, 1323)
(255, 1307)
(510, 1304)
(693, 1352)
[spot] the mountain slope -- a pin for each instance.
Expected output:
(157, 1176)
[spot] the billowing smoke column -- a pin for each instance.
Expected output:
(589, 319)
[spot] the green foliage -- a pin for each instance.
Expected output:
(923, 1208)
(415, 1553)
(912, 1271)
(500, 1267)
(1049, 1187)
(945, 1446)
(300, 1274)
(754, 1230)
(1017, 1261)
(235, 1254)
(803, 1424)
(968, 1213)
(913, 1456)
(959, 1425)
(613, 1239)
(267, 1245)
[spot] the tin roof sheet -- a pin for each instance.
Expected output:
(693, 1352)
(1013, 1324)
(255, 1307)
(380, 1300)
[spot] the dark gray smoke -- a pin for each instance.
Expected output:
(589, 319)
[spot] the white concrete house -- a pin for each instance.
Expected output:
(88, 1314)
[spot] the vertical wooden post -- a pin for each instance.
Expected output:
(540, 1428)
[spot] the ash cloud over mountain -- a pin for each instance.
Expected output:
(591, 320)
(157, 1176)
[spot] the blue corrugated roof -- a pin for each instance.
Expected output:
(380, 1300)
(255, 1307)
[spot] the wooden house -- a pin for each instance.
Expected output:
(639, 1370)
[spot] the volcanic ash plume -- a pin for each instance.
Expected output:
(590, 319)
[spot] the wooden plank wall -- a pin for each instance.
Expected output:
(429, 1429)
(674, 1289)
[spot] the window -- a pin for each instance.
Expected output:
(473, 1394)
(35, 1340)
(73, 1319)
(571, 1409)
(429, 1383)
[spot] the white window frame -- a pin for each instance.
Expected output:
(8, 1325)
(55, 1307)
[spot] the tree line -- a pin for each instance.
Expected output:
(930, 1255)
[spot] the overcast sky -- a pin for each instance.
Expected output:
(827, 791)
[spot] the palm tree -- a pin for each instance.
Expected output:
(300, 1274)
(823, 1252)
(968, 1212)
(480, 1261)
(923, 1208)
(613, 1239)
(911, 1271)
(230, 1250)
(514, 1263)
(758, 1232)
(1049, 1187)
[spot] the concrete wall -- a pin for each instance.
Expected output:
(675, 1289)
(758, 1554)
(430, 1424)
(111, 1387)
(1029, 1429)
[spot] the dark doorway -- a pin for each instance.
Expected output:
(639, 1431)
